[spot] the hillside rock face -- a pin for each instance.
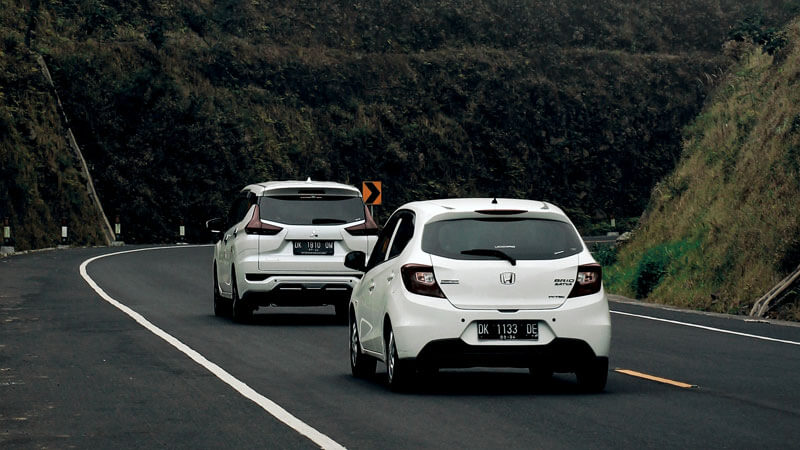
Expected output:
(41, 185)
(177, 105)
(722, 228)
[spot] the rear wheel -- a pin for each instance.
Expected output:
(222, 306)
(242, 312)
(399, 373)
(361, 365)
(342, 309)
(593, 375)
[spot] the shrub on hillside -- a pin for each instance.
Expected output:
(606, 255)
(650, 271)
(655, 264)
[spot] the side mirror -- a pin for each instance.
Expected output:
(215, 227)
(356, 260)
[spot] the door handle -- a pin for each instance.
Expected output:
(372, 286)
(390, 277)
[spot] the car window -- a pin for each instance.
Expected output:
(311, 209)
(382, 245)
(405, 230)
(522, 239)
(237, 211)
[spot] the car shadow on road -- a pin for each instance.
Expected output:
(477, 382)
(290, 316)
(276, 318)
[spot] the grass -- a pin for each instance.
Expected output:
(733, 196)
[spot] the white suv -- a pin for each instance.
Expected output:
(479, 283)
(284, 243)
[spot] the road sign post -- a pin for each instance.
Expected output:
(64, 234)
(6, 233)
(8, 244)
(182, 233)
(372, 191)
(117, 233)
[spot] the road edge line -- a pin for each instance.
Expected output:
(246, 391)
(703, 327)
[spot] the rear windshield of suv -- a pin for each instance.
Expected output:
(311, 209)
(524, 239)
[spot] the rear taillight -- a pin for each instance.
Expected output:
(256, 226)
(419, 279)
(363, 229)
(368, 228)
(589, 280)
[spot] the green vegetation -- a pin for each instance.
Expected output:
(722, 229)
(177, 104)
(40, 183)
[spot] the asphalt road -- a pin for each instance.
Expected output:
(76, 371)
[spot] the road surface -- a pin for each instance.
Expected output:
(79, 371)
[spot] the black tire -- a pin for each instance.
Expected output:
(241, 311)
(399, 373)
(593, 375)
(361, 365)
(222, 306)
(342, 309)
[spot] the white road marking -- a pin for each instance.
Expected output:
(703, 327)
(268, 405)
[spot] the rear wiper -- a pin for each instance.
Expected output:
(326, 220)
(490, 252)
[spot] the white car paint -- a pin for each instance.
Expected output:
(474, 289)
(263, 264)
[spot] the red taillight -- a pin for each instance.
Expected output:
(368, 228)
(256, 226)
(419, 279)
(588, 281)
(363, 229)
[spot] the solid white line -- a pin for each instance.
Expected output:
(703, 327)
(268, 405)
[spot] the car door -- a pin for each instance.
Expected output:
(385, 278)
(236, 213)
(366, 296)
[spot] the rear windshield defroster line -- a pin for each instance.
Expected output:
(519, 238)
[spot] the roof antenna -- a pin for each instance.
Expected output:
(494, 202)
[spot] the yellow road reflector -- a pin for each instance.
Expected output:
(634, 373)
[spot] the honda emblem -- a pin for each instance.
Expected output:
(508, 278)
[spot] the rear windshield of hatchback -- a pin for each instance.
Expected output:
(522, 239)
(311, 209)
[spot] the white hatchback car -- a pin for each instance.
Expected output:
(479, 283)
(284, 243)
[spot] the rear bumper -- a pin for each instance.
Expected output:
(296, 290)
(577, 330)
(560, 355)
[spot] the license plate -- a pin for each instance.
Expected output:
(508, 330)
(313, 247)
